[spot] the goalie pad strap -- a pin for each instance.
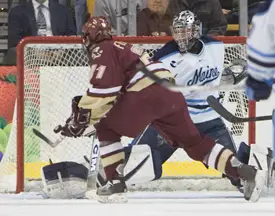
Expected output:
(67, 169)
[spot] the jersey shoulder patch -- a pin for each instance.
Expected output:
(104, 48)
(168, 49)
(209, 40)
(96, 52)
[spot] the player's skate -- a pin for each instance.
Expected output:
(253, 181)
(235, 182)
(113, 192)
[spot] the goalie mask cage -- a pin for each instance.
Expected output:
(51, 71)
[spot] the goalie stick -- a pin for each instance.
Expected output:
(47, 140)
(218, 107)
(59, 140)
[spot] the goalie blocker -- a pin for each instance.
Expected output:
(68, 180)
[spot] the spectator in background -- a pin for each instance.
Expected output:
(154, 20)
(80, 8)
(233, 15)
(38, 18)
(107, 8)
(208, 11)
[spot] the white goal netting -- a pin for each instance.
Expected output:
(54, 72)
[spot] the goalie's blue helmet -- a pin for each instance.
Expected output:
(186, 30)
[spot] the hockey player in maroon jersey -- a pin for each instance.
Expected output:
(122, 101)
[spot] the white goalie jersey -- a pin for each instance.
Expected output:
(261, 43)
(190, 69)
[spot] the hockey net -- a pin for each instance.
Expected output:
(51, 71)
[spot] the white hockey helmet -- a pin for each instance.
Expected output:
(185, 30)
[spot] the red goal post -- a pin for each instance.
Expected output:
(26, 61)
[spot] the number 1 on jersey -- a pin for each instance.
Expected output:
(98, 71)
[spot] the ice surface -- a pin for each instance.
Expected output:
(140, 204)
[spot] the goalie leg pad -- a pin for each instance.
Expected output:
(156, 143)
(258, 157)
(261, 157)
(243, 153)
(143, 164)
(64, 180)
(217, 130)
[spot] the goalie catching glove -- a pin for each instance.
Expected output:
(77, 123)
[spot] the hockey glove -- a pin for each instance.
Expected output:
(257, 90)
(77, 123)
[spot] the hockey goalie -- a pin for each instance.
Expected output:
(122, 101)
(190, 58)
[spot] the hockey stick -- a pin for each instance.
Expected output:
(47, 140)
(94, 176)
(218, 107)
(59, 140)
(93, 161)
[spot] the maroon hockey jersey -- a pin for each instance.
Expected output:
(114, 72)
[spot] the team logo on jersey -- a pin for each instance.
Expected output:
(174, 64)
(96, 53)
(137, 50)
(202, 76)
